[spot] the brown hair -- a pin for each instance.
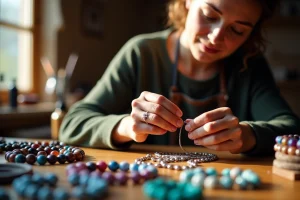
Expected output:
(177, 14)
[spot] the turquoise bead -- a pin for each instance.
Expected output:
(60, 194)
(133, 167)
(20, 158)
(211, 171)
(241, 182)
(41, 159)
(226, 172)
(226, 182)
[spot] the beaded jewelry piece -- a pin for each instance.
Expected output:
(41, 152)
(164, 160)
(288, 144)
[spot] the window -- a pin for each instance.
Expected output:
(16, 44)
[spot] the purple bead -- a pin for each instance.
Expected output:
(135, 177)
(96, 173)
(121, 178)
(30, 159)
(292, 142)
(109, 177)
(146, 174)
(278, 139)
(80, 166)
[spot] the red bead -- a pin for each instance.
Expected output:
(101, 165)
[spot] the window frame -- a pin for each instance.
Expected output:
(35, 31)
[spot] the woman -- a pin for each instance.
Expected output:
(207, 70)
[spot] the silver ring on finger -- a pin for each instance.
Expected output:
(145, 116)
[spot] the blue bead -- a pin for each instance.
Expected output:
(142, 167)
(278, 139)
(226, 172)
(211, 171)
(226, 182)
(191, 192)
(73, 179)
(91, 166)
(41, 159)
(20, 158)
(186, 175)
(51, 179)
(113, 165)
(134, 167)
(124, 166)
(79, 192)
(4, 195)
(31, 191)
(38, 179)
(45, 193)
(60, 194)
(241, 182)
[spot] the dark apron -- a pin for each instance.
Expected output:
(194, 107)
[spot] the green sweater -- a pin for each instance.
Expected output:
(143, 64)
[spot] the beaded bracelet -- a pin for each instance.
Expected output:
(288, 144)
(228, 179)
(164, 160)
(79, 172)
(41, 152)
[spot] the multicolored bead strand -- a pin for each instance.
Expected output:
(41, 152)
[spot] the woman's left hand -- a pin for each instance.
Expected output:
(220, 130)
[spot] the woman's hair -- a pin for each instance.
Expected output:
(177, 14)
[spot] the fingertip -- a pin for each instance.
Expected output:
(179, 113)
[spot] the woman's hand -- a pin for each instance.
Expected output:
(220, 130)
(151, 114)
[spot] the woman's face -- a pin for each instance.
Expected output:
(215, 29)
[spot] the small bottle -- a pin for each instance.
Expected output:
(56, 119)
(13, 94)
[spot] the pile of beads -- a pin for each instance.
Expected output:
(44, 187)
(234, 178)
(80, 172)
(287, 154)
(4, 194)
(162, 189)
(288, 144)
(164, 160)
(41, 152)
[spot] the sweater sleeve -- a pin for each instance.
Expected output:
(270, 112)
(90, 122)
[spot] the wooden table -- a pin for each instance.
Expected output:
(273, 186)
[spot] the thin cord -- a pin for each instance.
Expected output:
(179, 139)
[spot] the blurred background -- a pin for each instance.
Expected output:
(50, 48)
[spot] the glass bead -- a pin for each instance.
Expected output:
(70, 157)
(297, 152)
(135, 177)
(121, 178)
(101, 166)
(113, 165)
(226, 182)
(31, 191)
(298, 144)
(124, 166)
(20, 158)
(134, 167)
(284, 140)
(291, 150)
(78, 192)
(42, 153)
(24, 151)
(61, 158)
(91, 166)
(51, 179)
(73, 179)
(235, 171)
(211, 182)
(292, 142)
(211, 171)
(79, 166)
(226, 172)
(60, 194)
(241, 182)
(278, 139)
(41, 159)
(186, 176)
(198, 179)
(44, 193)
(78, 155)
(56, 153)
(31, 159)
(109, 177)
(51, 159)
(284, 149)
(12, 157)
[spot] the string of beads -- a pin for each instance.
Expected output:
(288, 144)
(164, 159)
(41, 152)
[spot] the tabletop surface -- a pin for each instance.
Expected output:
(273, 186)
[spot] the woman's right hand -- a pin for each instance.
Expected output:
(151, 114)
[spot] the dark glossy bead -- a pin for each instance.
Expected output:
(20, 158)
(7, 154)
(51, 159)
(15, 146)
(12, 157)
(17, 151)
(35, 146)
(30, 159)
(48, 150)
(78, 155)
(54, 149)
(41, 159)
(45, 143)
(8, 148)
(113, 165)
(40, 149)
(42, 153)
(24, 151)
(101, 165)
(32, 151)
(70, 157)
(91, 166)
(292, 142)
(61, 158)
